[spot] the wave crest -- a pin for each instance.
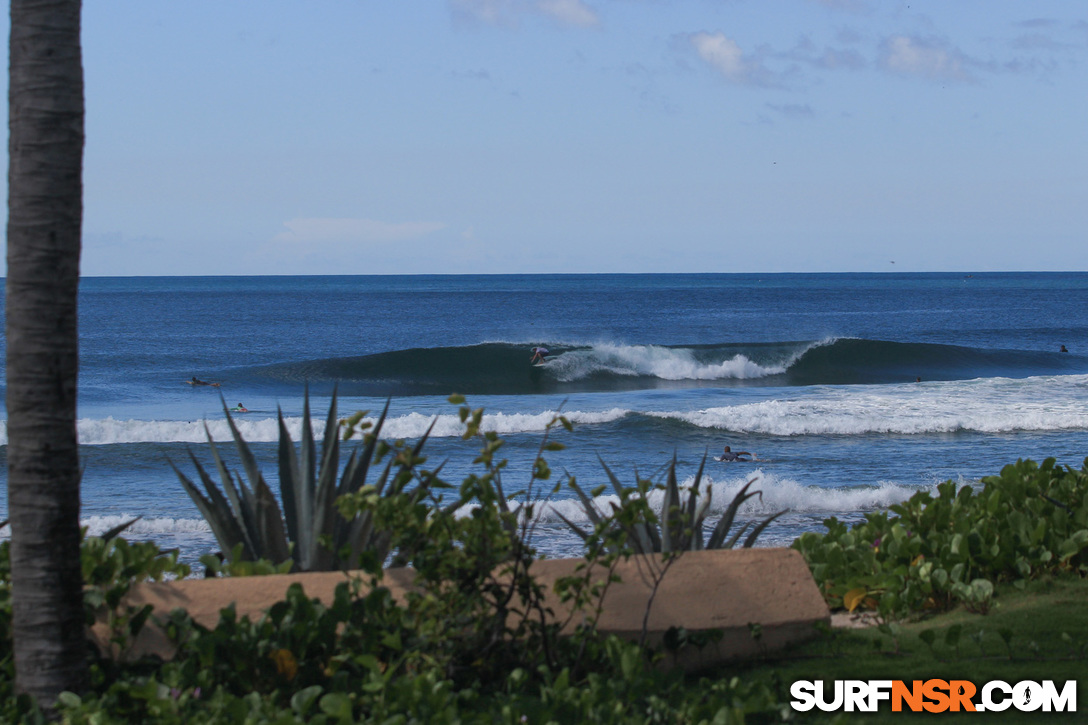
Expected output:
(653, 361)
(504, 368)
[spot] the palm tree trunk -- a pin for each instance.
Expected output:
(45, 210)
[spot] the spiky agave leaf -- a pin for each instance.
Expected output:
(510, 515)
(287, 462)
(669, 519)
(216, 511)
(642, 537)
(698, 505)
(360, 534)
(682, 522)
(115, 531)
(239, 506)
(296, 482)
(325, 515)
(270, 531)
(245, 454)
(309, 509)
(265, 540)
(404, 475)
(251, 516)
(305, 477)
(615, 481)
(259, 514)
(590, 508)
(582, 533)
(697, 521)
(358, 466)
(735, 537)
(646, 532)
(717, 536)
(680, 526)
(751, 540)
(723, 526)
(238, 499)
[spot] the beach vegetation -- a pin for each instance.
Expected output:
(111, 565)
(475, 641)
(953, 547)
(308, 533)
(1036, 630)
(679, 526)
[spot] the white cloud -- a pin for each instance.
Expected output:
(927, 58)
(360, 231)
(721, 53)
(508, 13)
(569, 12)
(726, 57)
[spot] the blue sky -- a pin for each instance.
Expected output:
(355, 137)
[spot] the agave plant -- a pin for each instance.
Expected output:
(310, 530)
(680, 524)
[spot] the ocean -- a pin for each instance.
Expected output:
(853, 391)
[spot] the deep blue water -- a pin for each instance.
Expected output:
(818, 375)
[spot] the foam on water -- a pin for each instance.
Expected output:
(144, 528)
(986, 405)
(106, 431)
(776, 494)
(657, 362)
(805, 506)
(991, 405)
(415, 425)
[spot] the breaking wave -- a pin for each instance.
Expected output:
(504, 368)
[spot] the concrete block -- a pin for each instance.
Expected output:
(737, 592)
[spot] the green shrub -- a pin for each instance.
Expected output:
(474, 644)
(932, 551)
(110, 565)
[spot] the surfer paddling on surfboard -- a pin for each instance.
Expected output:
(729, 456)
(539, 353)
(194, 381)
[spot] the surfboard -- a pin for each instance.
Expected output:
(202, 384)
